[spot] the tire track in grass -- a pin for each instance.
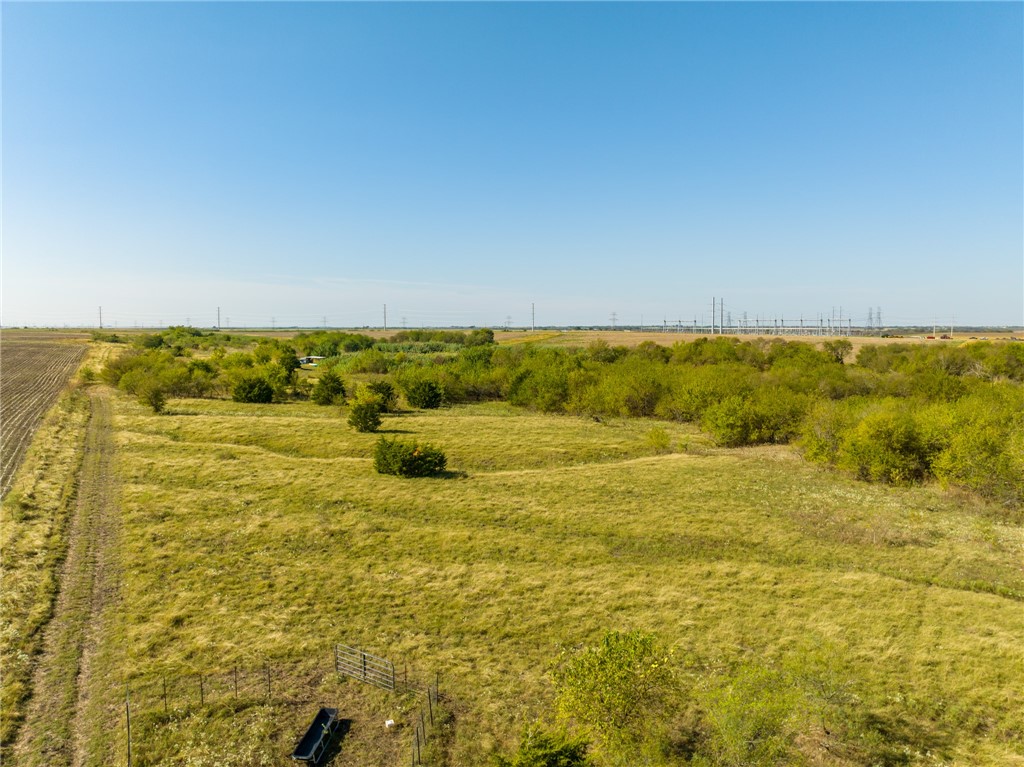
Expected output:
(88, 583)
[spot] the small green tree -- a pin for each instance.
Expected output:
(253, 389)
(364, 416)
(288, 360)
(614, 687)
(329, 389)
(153, 394)
(838, 349)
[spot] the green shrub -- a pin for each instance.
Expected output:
(151, 393)
(385, 395)
(424, 394)
(253, 389)
(541, 749)
(364, 416)
(407, 459)
(616, 689)
(823, 430)
(888, 445)
(329, 389)
(370, 361)
(767, 416)
(984, 451)
(750, 716)
(659, 439)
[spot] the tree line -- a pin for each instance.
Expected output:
(894, 413)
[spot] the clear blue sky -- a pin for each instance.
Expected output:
(459, 162)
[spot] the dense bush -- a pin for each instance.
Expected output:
(331, 343)
(985, 448)
(542, 749)
(253, 389)
(384, 394)
(329, 389)
(766, 416)
(424, 394)
(364, 416)
(408, 459)
(888, 445)
(616, 689)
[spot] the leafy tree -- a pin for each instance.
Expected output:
(288, 360)
(152, 393)
(329, 388)
(253, 389)
(838, 349)
(407, 459)
(541, 749)
(364, 416)
(613, 687)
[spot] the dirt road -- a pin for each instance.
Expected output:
(51, 734)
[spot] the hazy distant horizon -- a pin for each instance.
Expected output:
(305, 164)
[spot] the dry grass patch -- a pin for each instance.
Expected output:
(262, 531)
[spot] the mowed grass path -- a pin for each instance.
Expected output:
(254, 531)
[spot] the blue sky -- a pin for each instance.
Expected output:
(295, 163)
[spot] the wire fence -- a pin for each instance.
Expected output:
(280, 682)
(425, 726)
(171, 692)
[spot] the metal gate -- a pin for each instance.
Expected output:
(364, 667)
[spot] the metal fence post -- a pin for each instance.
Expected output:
(128, 719)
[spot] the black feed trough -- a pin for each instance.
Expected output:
(317, 738)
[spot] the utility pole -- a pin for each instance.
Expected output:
(721, 316)
(713, 306)
(385, 318)
(533, 317)
(101, 318)
(218, 318)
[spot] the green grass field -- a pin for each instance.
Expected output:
(253, 532)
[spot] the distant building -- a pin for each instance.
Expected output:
(309, 361)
